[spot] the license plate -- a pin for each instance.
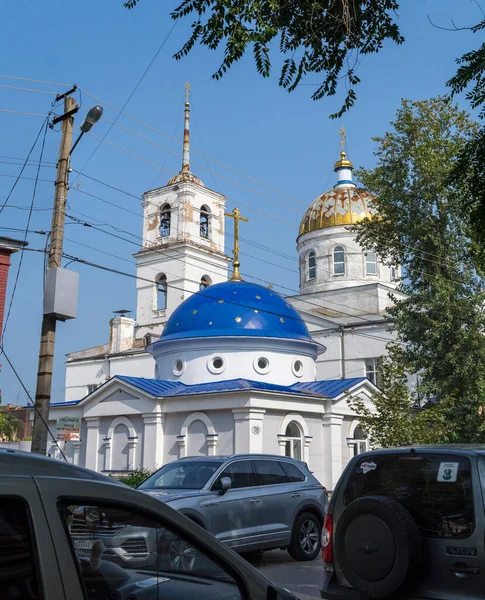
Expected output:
(83, 544)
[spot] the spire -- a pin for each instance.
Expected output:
(236, 215)
(185, 173)
(343, 167)
(186, 151)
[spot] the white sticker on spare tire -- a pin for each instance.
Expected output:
(448, 472)
(368, 466)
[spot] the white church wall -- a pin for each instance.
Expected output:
(239, 360)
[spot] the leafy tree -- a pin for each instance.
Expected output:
(394, 419)
(322, 37)
(10, 426)
(424, 226)
(135, 478)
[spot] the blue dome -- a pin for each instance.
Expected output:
(236, 308)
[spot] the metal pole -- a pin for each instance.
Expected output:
(48, 334)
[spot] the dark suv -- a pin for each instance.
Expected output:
(408, 523)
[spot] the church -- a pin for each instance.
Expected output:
(216, 365)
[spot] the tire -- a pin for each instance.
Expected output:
(305, 538)
(378, 546)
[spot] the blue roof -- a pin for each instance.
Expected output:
(236, 308)
(330, 388)
(63, 403)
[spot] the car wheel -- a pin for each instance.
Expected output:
(378, 546)
(182, 555)
(305, 537)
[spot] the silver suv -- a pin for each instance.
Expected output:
(249, 502)
(408, 523)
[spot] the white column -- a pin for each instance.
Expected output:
(182, 445)
(132, 442)
(92, 443)
(153, 440)
(248, 429)
(306, 449)
(332, 438)
(211, 439)
(107, 454)
(76, 449)
(282, 443)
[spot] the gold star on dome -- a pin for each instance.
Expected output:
(238, 319)
(220, 301)
(282, 320)
(258, 297)
(176, 324)
(195, 312)
(256, 310)
(210, 322)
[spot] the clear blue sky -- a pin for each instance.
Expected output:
(284, 140)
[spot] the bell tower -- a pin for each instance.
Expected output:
(183, 243)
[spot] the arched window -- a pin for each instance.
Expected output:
(358, 443)
(205, 282)
(161, 292)
(204, 222)
(165, 220)
(294, 441)
(370, 262)
(311, 265)
(339, 260)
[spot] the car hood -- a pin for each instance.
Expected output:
(170, 495)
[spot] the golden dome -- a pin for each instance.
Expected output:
(185, 176)
(344, 205)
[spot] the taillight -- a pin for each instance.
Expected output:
(327, 547)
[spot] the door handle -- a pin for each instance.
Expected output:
(255, 500)
(462, 570)
(295, 495)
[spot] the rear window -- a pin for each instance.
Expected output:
(293, 473)
(435, 488)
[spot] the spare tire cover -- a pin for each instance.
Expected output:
(378, 545)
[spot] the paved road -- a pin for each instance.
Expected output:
(302, 578)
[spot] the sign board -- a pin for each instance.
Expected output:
(68, 429)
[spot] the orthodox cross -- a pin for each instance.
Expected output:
(188, 89)
(343, 137)
(236, 215)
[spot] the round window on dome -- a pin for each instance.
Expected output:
(261, 365)
(216, 364)
(297, 368)
(178, 367)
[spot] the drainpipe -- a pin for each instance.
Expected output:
(342, 350)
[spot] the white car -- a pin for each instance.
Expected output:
(43, 500)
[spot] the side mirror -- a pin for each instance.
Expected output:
(92, 516)
(226, 483)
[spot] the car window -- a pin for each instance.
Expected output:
(269, 472)
(293, 473)
(18, 568)
(184, 474)
(120, 552)
(241, 474)
(435, 488)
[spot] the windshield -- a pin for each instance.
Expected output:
(182, 475)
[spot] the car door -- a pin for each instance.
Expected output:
(278, 499)
(28, 569)
(236, 517)
(186, 562)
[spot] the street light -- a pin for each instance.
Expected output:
(93, 116)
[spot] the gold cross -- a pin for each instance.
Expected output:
(344, 137)
(188, 89)
(236, 215)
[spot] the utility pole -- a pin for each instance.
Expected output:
(48, 334)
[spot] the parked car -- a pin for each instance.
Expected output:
(41, 502)
(248, 501)
(408, 523)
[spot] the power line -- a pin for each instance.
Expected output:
(12, 87)
(145, 72)
(26, 229)
(21, 112)
(36, 81)
(46, 425)
(24, 165)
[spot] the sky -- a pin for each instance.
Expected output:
(264, 134)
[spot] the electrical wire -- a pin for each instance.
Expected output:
(34, 191)
(46, 425)
(24, 165)
(36, 81)
(12, 87)
(21, 112)
(145, 72)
